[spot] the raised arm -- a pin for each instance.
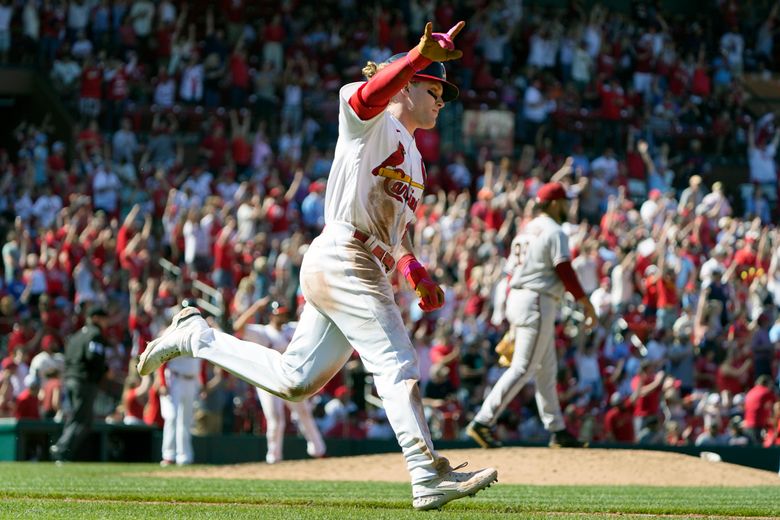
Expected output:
(373, 96)
(249, 314)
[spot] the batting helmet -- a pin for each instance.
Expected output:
(434, 72)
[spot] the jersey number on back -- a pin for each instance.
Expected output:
(520, 250)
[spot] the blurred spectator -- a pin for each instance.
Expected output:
(618, 421)
(758, 407)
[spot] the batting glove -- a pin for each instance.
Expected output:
(440, 46)
(430, 294)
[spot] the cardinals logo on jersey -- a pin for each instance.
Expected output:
(398, 183)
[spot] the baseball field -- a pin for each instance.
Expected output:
(533, 483)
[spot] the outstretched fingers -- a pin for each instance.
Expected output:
(452, 33)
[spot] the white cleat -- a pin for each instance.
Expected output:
(169, 344)
(436, 492)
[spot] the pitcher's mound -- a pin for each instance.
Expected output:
(539, 466)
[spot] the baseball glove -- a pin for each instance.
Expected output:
(506, 348)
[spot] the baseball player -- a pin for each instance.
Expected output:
(540, 269)
(375, 185)
(179, 387)
(277, 335)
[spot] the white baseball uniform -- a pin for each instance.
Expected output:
(176, 408)
(375, 184)
(531, 307)
(273, 407)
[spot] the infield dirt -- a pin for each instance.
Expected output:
(537, 466)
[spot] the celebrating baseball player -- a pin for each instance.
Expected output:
(277, 335)
(374, 187)
(540, 267)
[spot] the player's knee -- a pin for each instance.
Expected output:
(298, 392)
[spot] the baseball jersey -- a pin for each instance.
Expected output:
(269, 336)
(185, 366)
(377, 178)
(535, 252)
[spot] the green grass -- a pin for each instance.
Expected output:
(43, 490)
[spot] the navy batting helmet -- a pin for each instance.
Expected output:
(434, 72)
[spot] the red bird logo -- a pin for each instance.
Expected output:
(394, 159)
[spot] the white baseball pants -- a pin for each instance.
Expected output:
(176, 409)
(350, 303)
(533, 316)
(275, 422)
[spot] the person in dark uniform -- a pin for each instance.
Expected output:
(85, 365)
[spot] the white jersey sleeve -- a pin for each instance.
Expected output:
(537, 249)
(377, 177)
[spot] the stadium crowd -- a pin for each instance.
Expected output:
(206, 141)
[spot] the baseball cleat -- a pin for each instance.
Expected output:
(170, 343)
(439, 491)
(564, 439)
(482, 435)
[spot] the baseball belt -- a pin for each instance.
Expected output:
(541, 293)
(183, 376)
(385, 258)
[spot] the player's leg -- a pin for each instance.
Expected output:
(168, 412)
(304, 420)
(345, 281)
(547, 392)
(530, 345)
(317, 351)
(185, 404)
(361, 302)
(273, 409)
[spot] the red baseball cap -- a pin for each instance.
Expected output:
(550, 192)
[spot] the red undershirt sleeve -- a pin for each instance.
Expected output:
(161, 374)
(373, 96)
(569, 278)
(203, 374)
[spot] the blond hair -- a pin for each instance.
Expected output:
(372, 68)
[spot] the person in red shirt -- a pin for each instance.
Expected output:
(117, 92)
(240, 148)
(445, 353)
(745, 262)
(224, 256)
(134, 399)
(758, 407)
(612, 103)
(277, 206)
(646, 388)
(618, 421)
(733, 372)
(91, 91)
(239, 75)
(27, 402)
(215, 146)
